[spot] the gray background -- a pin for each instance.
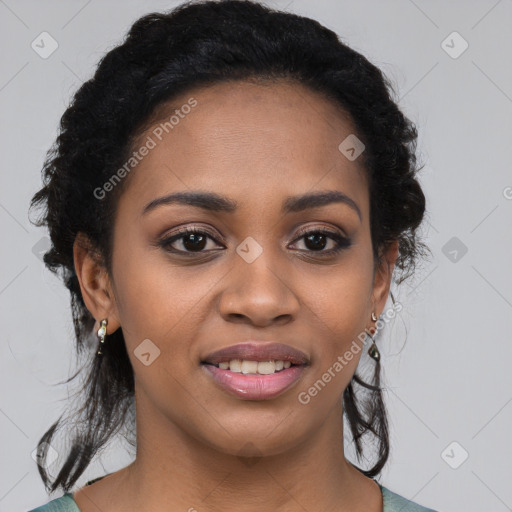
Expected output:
(447, 356)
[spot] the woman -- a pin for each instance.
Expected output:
(228, 200)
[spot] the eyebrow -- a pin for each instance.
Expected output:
(216, 203)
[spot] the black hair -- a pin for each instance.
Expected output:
(166, 54)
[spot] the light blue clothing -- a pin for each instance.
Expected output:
(392, 503)
(65, 503)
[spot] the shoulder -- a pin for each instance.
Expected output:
(395, 503)
(65, 503)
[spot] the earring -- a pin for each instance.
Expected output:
(373, 351)
(102, 331)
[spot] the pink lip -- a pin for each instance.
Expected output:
(252, 386)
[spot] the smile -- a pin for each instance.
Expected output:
(255, 370)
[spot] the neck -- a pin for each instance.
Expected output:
(172, 467)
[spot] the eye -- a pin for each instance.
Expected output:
(317, 239)
(191, 240)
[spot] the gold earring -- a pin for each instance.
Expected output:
(102, 332)
(373, 351)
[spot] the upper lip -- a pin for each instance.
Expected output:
(258, 351)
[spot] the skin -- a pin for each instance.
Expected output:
(256, 144)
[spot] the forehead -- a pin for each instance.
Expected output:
(255, 142)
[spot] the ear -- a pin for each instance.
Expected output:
(95, 284)
(383, 275)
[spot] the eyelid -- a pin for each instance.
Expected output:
(307, 229)
(192, 229)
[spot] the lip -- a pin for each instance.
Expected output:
(252, 386)
(258, 351)
(255, 386)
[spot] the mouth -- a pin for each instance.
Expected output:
(256, 370)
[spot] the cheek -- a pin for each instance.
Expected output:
(162, 303)
(340, 308)
(342, 297)
(157, 296)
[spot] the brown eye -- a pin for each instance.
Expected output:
(316, 240)
(194, 241)
(191, 240)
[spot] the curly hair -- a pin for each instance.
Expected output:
(197, 44)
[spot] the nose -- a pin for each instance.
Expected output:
(258, 293)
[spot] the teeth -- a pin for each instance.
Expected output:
(259, 367)
(266, 367)
(249, 366)
(235, 365)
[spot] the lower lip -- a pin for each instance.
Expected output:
(253, 386)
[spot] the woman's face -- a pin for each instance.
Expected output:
(257, 270)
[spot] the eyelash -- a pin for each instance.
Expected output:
(341, 241)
